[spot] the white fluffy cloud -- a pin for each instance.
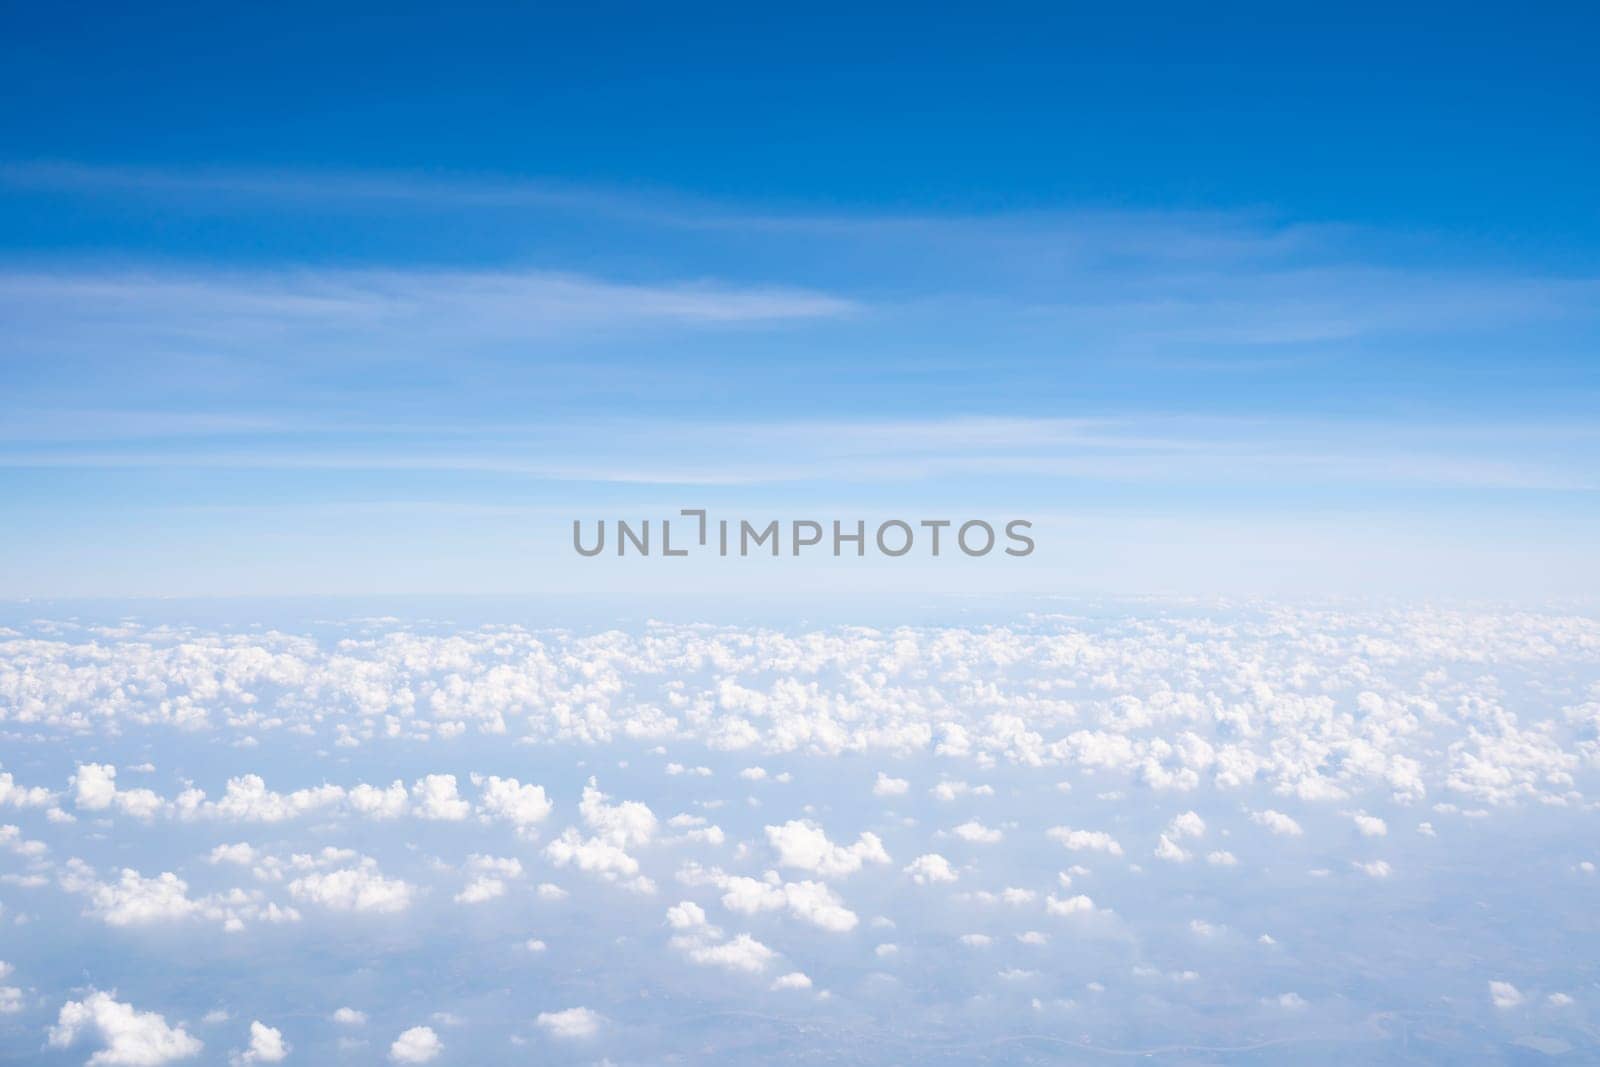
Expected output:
(953, 788)
(686, 916)
(94, 786)
(1085, 840)
(815, 903)
(1504, 995)
(128, 1037)
(886, 786)
(16, 796)
(357, 888)
(266, 1046)
(416, 1045)
(1370, 825)
(1169, 850)
(808, 901)
(570, 1023)
(247, 799)
(930, 868)
(377, 802)
(742, 953)
(435, 796)
(133, 899)
(599, 857)
(523, 806)
(803, 845)
(615, 828)
(975, 832)
(1277, 822)
(480, 890)
(1074, 905)
(625, 824)
(1189, 824)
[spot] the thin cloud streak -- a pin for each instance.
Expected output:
(236, 306)
(1150, 450)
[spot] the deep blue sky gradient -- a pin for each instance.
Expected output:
(315, 301)
(1472, 118)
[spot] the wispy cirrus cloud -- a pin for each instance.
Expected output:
(1147, 449)
(290, 340)
(1211, 289)
(465, 304)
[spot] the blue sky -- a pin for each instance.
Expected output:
(320, 327)
(317, 303)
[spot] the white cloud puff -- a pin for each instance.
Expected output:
(94, 786)
(128, 1037)
(247, 799)
(803, 845)
(359, 888)
(1504, 995)
(599, 857)
(1085, 840)
(809, 901)
(1370, 825)
(266, 1046)
(1169, 850)
(975, 832)
(1277, 822)
(815, 903)
(886, 786)
(435, 796)
(742, 953)
(616, 828)
(1189, 824)
(481, 890)
(376, 802)
(16, 796)
(1074, 905)
(686, 916)
(570, 1024)
(951, 789)
(930, 868)
(416, 1045)
(625, 824)
(523, 806)
(134, 900)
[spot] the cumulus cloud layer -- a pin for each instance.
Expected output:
(1068, 824)
(1276, 700)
